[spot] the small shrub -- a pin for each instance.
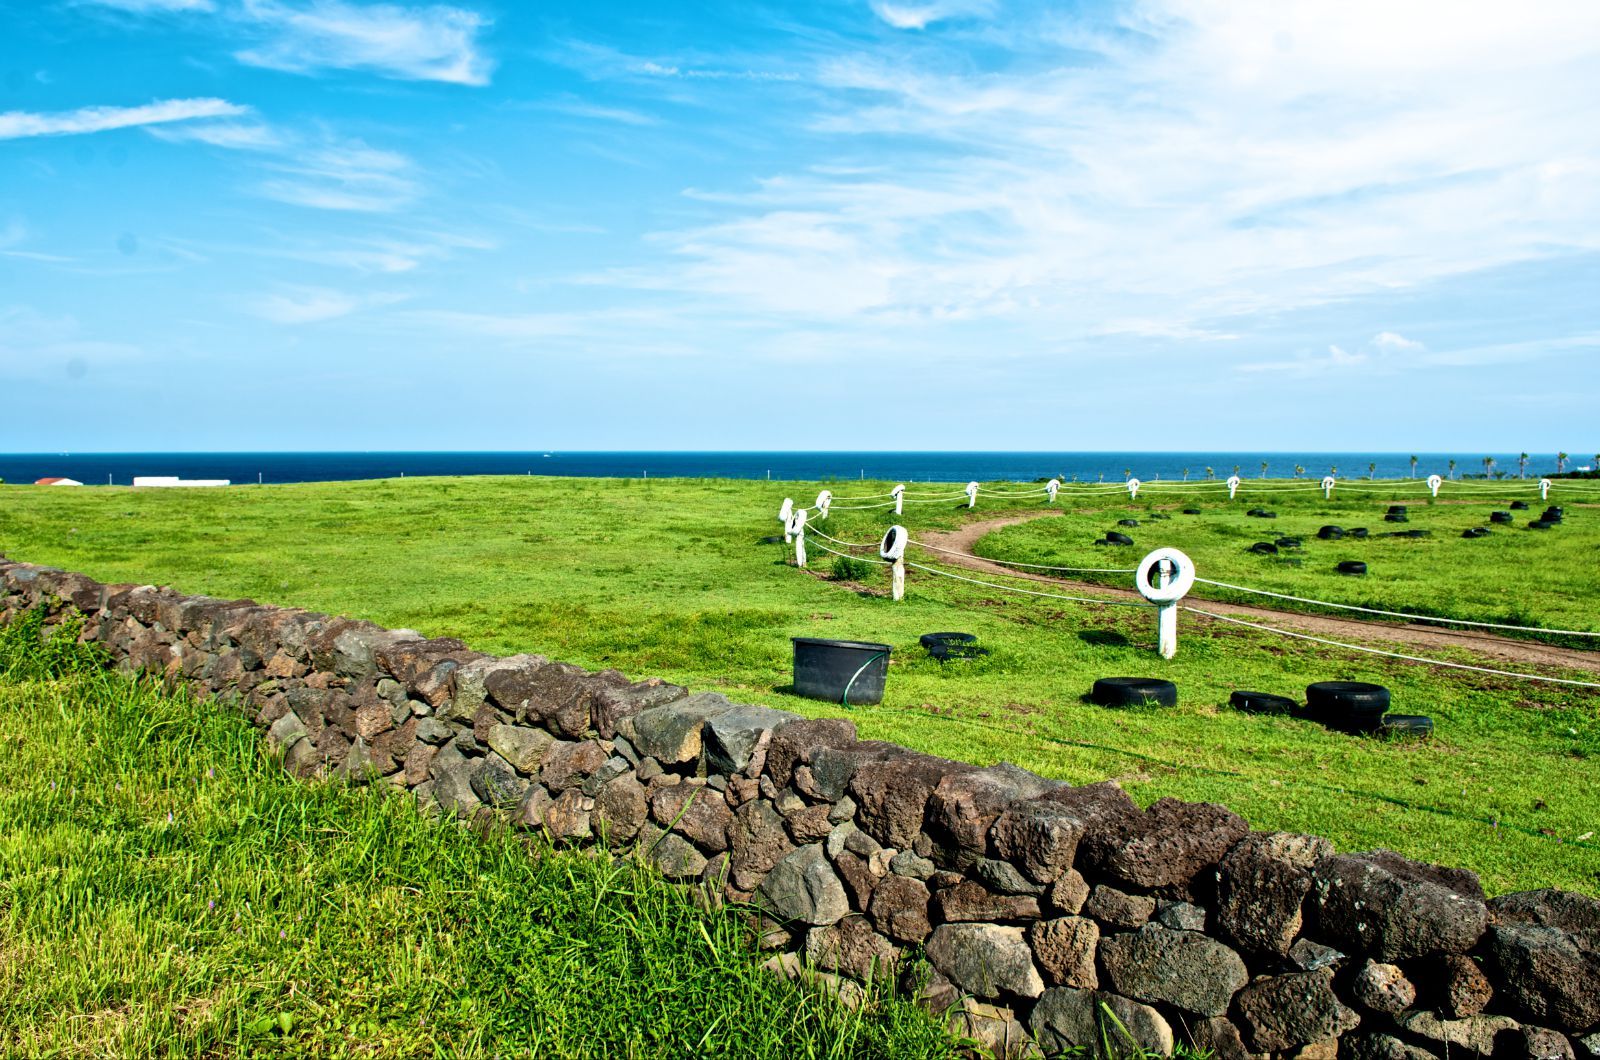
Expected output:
(846, 569)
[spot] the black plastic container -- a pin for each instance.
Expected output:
(840, 671)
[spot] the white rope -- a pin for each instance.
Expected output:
(1013, 493)
(846, 555)
(1035, 566)
(811, 529)
(1390, 654)
(858, 507)
(1028, 592)
(1400, 614)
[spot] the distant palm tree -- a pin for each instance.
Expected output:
(1488, 467)
(1452, 469)
(1372, 472)
(1561, 462)
(1299, 470)
(1236, 469)
(1186, 474)
(1127, 473)
(1334, 470)
(1522, 465)
(1413, 465)
(1263, 469)
(1210, 474)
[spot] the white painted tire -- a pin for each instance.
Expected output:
(1133, 487)
(1182, 579)
(797, 521)
(1434, 482)
(786, 511)
(893, 545)
(1328, 482)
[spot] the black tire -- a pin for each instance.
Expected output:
(1540, 524)
(1397, 509)
(1397, 517)
(930, 639)
(1349, 706)
(1289, 542)
(1269, 515)
(1191, 511)
(945, 652)
(774, 539)
(1500, 517)
(1262, 703)
(1406, 726)
(1134, 692)
(1359, 533)
(1519, 506)
(1264, 548)
(1114, 538)
(1127, 522)
(1256, 513)
(1351, 566)
(1472, 533)
(1554, 512)
(1415, 533)
(1158, 515)
(1331, 533)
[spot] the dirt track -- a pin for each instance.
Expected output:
(1496, 649)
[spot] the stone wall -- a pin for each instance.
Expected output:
(1036, 904)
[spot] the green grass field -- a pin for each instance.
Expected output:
(166, 890)
(670, 577)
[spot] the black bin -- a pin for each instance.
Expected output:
(840, 671)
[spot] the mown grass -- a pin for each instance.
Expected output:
(167, 890)
(671, 577)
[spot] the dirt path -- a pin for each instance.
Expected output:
(1491, 646)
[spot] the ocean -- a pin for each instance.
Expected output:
(249, 468)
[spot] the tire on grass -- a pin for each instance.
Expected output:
(1114, 538)
(1348, 706)
(930, 639)
(1351, 566)
(1330, 533)
(1405, 727)
(1264, 548)
(1262, 703)
(1134, 692)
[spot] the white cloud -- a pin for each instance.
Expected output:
(17, 124)
(433, 43)
(1390, 342)
(236, 136)
(1383, 353)
(343, 176)
(920, 16)
(313, 305)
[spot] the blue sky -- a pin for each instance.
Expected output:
(308, 224)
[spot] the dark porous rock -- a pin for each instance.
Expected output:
(803, 886)
(1118, 908)
(1003, 878)
(858, 879)
(418, 761)
(1069, 893)
(994, 1028)
(522, 746)
(620, 808)
(1069, 1020)
(674, 856)
(1473, 1036)
(435, 685)
(827, 773)
(570, 816)
(1547, 974)
(758, 840)
(910, 863)
(1381, 1047)
(1184, 969)
(964, 805)
(1166, 846)
(531, 810)
(509, 684)
(792, 744)
(1262, 886)
(850, 947)
(406, 660)
(1562, 910)
(496, 784)
(345, 647)
(1218, 1039)
(733, 737)
(1285, 1011)
(1383, 988)
(1309, 956)
(970, 901)
(697, 812)
(809, 824)
(892, 796)
(614, 767)
(613, 704)
(451, 773)
(568, 765)
(1392, 909)
(673, 733)
(899, 908)
(1541, 1043)
(1042, 835)
(1463, 988)
(1181, 916)
(560, 694)
(987, 960)
(1065, 950)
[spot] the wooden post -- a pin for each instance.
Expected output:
(972, 495)
(797, 523)
(899, 493)
(893, 549)
(1166, 614)
(1327, 487)
(1544, 489)
(1233, 486)
(784, 515)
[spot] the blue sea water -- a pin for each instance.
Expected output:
(243, 468)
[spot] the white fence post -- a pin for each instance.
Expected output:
(972, 495)
(1053, 487)
(797, 526)
(1233, 486)
(1434, 482)
(899, 495)
(1133, 488)
(893, 549)
(1174, 578)
(824, 499)
(1327, 487)
(1544, 489)
(784, 514)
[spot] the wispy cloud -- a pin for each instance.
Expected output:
(600, 112)
(343, 176)
(145, 7)
(17, 124)
(920, 16)
(313, 305)
(1383, 352)
(432, 43)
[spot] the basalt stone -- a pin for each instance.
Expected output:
(892, 796)
(673, 733)
(1262, 887)
(1003, 877)
(1065, 951)
(964, 805)
(1181, 916)
(994, 1029)
(699, 813)
(1381, 1047)
(451, 774)
(418, 761)
(1218, 1039)
(988, 960)
(1070, 893)
(899, 908)
(1285, 1011)
(1309, 956)
(809, 824)
(346, 647)
(620, 808)
(827, 773)
(1562, 910)
(910, 863)
(1070, 1020)
(674, 856)
(1392, 909)
(1463, 988)
(1166, 846)
(406, 660)
(793, 743)
(1550, 975)
(567, 765)
(803, 886)
(1383, 988)
(758, 840)
(1474, 1035)
(372, 719)
(435, 686)
(1118, 908)
(285, 732)
(1184, 969)
(496, 784)
(733, 737)
(510, 684)
(1041, 835)
(522, 746)
(614, 767)
(850, 947)
(434, 731)
(970, 901)
(561, 695)
(859, 880)
(1541, 1043)
(614, 704)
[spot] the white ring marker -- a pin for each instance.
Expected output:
(1327, 486)
(893, 549)
(1052, 487)
(1434, 482)
(1233, 486)
(1544, 489)
(899, 495)
(1133, 487)
(824, 499)
(972, 495)
(784, 514)
(1175, 589)
(797, 528)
